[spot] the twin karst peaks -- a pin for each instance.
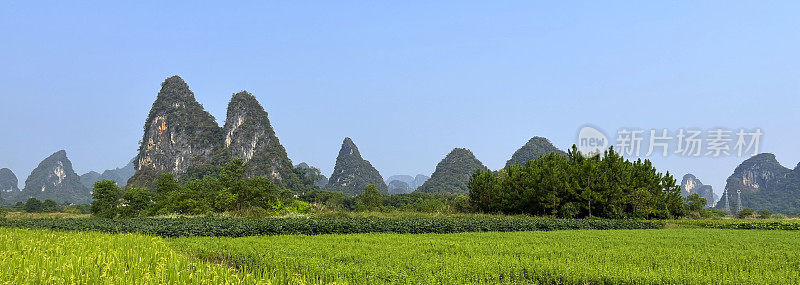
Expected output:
(352, 173)
(180, 135)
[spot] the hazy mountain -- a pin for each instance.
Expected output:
(759, 183)
(408, 179)
(419, 180)
(690, 185)
(9, 185)
(178, 133)
(399, 187)
(452, 174)
(8, 181)
(118, 175)
(55, 179)
(353, 173)
(413, 182)
(321, 182)
(535, 148)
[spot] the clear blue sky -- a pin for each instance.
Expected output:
(407, 80)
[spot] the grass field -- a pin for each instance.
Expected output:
(668, 256)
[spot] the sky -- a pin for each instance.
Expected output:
(408, 81)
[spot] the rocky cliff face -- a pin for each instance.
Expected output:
(8, 181)
(535, 148)
(760, 182)
(690, 185)
(452, 174)
(178, 133)
(249, 136)
(353, 173)
(55, 179)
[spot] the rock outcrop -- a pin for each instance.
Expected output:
(55, 179)
(691, 185)
(353, 173)
(178, 134)
(8, 181)
(452, 174)
(762, 183)
(535, 148)
(249, 136)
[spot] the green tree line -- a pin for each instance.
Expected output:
(573, 186)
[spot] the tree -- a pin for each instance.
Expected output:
(695, 203)
(746, 213)
(106, 196)
(764, 214)
(371, 199)
(49, 206)
(137, 200)
(33, 205)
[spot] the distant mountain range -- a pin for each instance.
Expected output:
(118, 175)
(403, 184)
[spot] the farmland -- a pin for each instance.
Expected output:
(650, 256)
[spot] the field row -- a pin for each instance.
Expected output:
(668, 256)
(240, 227)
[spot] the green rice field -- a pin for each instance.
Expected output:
(655, 256)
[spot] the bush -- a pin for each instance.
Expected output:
(779, 216)
(33, 205)
(746, 213)
(764, 214)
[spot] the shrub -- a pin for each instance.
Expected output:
(746, 213)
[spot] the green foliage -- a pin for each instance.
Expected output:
(764, 214)
(137, 201)
(695, 203)
(370, 200)
(106, 199)
(237, 227)
(746, 213)
(606, 186)
(453, 173)
(50, 206)
(33, 205)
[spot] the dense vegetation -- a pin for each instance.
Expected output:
(229, 191)
(607, 186)
(452, 174)
(238, 227)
